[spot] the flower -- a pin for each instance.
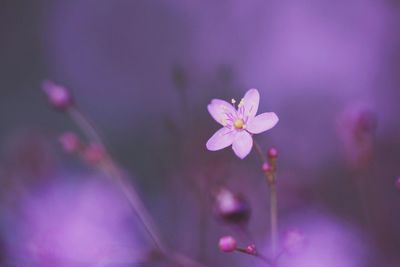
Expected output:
(239, 124)
(231, 208)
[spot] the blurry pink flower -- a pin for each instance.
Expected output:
(231, 208)
(239, 124)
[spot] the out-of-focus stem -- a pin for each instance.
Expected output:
(271, 181)
(110, 168)
(274, 218)
(258, 255)
(259, 152)
(132, 196)
(86, 126)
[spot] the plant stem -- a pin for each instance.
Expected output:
(271, 181)
(86, 125)
(134, 200)
(109, 167)
(274, 218)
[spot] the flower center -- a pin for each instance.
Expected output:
(239, 124)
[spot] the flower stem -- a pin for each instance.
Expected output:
(263, 158)
(86, 125)
(274, 218)
(271, 181)
(258, 255)
(109, 167)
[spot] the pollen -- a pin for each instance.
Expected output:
(233, 101)
(239, 124)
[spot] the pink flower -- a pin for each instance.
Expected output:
(239, 124)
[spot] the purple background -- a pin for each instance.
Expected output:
(144, 72)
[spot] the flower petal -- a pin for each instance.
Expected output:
(221, 139)
(220, 110)
(242, 144)
(262, 122)
(250, 102)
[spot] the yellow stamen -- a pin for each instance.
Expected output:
(239, 124)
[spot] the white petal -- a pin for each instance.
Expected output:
(222, 138)
(262, 122)
(242, 144)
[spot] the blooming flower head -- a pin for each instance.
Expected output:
(239, 124)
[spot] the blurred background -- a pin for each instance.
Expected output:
(144, 71)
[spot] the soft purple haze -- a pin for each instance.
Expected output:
(144, 72)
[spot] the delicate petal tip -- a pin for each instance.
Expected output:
(253, 91)
(222, 138)
(242, 144)
(262, 122)
(251, 101)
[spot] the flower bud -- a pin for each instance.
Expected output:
(227, 244)
(57, 96)
(93, 153)
(70, 142)
(251, 249)
(272, 153)
(231, 208)
(266, 167)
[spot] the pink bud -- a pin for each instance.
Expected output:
(266, 167)
(93, 153)
(227, 244)
(70, 142)
(251, 249)
(58, 96)
(272, 153)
